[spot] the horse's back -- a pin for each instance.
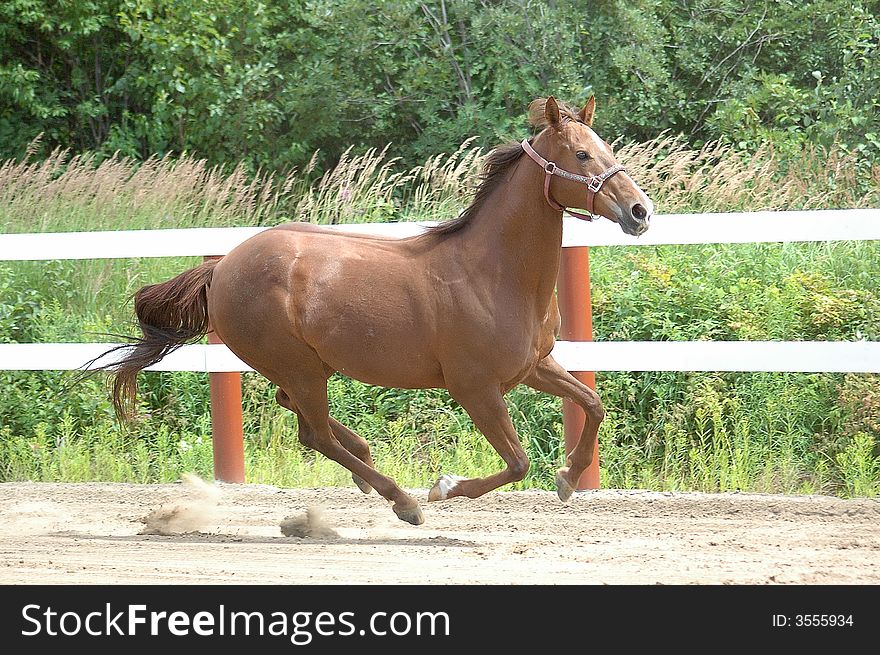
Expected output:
(360, 302)
(313, 228)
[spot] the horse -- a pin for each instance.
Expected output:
(468, 306)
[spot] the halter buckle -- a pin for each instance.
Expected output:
(550, 167)
(595, 183)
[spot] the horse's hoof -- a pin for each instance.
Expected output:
(411, 513)
(563, 489)
(362, 484)
(441, 488)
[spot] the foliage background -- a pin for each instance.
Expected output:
(270, 82)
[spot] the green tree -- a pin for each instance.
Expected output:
(269, 82)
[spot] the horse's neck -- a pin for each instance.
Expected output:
(516, 237)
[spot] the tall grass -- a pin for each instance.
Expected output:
(67, 192)
(717, 178)
(763, 432)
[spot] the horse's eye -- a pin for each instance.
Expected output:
(582, 155)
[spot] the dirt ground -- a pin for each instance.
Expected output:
(92, 533)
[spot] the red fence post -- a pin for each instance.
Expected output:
(573, 286)
(226, 422)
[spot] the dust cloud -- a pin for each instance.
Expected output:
(189, 514)
(310, 524)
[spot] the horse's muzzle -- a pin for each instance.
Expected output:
(634, 228)
(637, 220)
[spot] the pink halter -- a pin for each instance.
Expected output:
(594, 183)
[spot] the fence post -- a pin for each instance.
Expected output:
(573, 297)
(226, 421)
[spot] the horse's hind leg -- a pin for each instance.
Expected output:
(309, 397)
(357, 446)
(550, 377)
(350, 440)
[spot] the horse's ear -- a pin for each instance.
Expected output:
(586, 114)
(544, 112)
(551, 111)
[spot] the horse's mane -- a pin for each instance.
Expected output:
(498, 163)
(495, 168)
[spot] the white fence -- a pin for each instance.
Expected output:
(801, 356)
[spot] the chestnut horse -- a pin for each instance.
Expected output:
(467, 306)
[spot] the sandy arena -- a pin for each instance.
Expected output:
(198, 533)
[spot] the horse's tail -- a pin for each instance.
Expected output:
(170, 315)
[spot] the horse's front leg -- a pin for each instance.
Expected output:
(485, 405)
(550, 377)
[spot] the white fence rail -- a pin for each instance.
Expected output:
(827, 225)
(751, 227)
(789, 356)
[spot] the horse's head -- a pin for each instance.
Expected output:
(580, 169)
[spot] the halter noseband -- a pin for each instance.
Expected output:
(594, 183)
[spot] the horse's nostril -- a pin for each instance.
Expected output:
(639, 212)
